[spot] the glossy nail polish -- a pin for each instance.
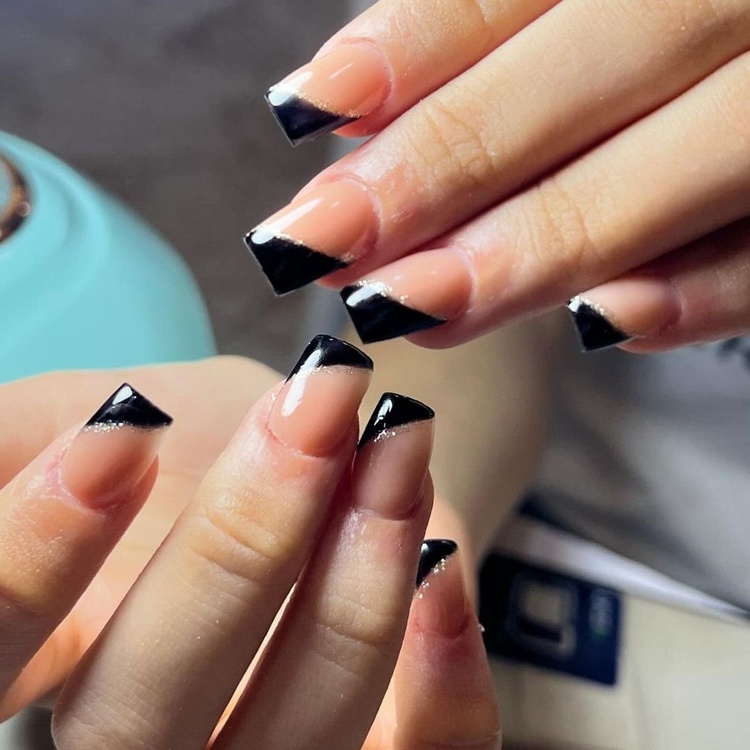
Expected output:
(595, 331)
(393, 456)
(319, 401)
(330, 92)
(318, 233)
(114, 449)
(432, 556)
(413, 294)
(377, 316)
(392, 412)
(128, 408)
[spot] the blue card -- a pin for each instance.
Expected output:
(550, 620)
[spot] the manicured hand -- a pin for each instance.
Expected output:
(290, 499)
(527, 152)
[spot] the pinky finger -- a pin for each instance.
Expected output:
(696, 294)
(443, 686)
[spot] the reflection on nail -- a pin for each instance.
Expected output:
(392, 411)
(595, 331)
(114, 449)
(127, 407)
(318, 233)
(328, 351)
(318, 403)
(377, 316)
(287, 264)
(434, 552)
(330, 92)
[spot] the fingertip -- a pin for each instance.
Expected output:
(444, 688)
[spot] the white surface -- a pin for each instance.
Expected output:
(538, 543)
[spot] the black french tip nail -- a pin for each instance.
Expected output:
(394, 410)
(301, 120)
(128, 408)
(289, 265)
(433, 552)
(328, 351)
(378, 317)
(594, 330)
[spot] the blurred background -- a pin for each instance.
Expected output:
(161, 103)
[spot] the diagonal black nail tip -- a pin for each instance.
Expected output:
(595, 332)
(300, 120)
(128, 407)
(378, 317)
(328, 351)
(290, 265)
(394, 410)
(433, 552)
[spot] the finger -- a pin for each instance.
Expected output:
(579, 73)
(60, 518)
(443, 687)
(25, 429)
(344, 627)
(693, 295)
(388, 58)
(173, 654)
(627, 202)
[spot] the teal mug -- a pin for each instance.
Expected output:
(84, 283)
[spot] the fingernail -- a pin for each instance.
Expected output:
(330, 92)
(318, 403)
(317, 234)
(393, 456)
(414, 294)
(115, 449)
(622, 310)
(442, 603)
(433, 555)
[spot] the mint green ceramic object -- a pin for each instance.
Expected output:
(84, 283)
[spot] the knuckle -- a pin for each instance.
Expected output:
(75, 731)
(448, 138)
(559, 231)
(352, 632)
(228, 536)
(731, 102)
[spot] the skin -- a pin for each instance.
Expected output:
(562, 146)
(199, 576)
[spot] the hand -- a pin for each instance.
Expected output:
(164, 669)
(527, 152)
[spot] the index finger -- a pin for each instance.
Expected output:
(390, 57)
(26, 428)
